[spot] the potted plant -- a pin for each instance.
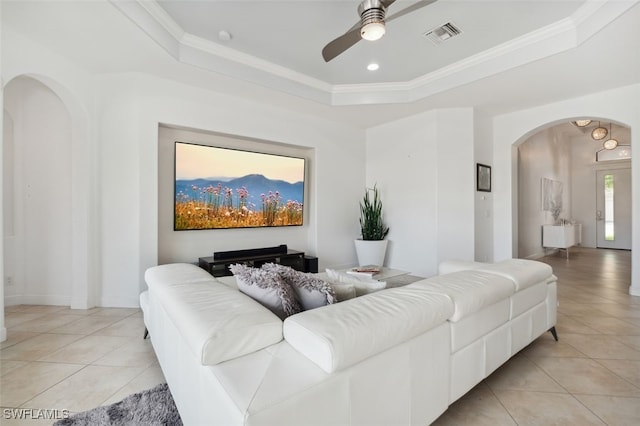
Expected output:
(372, 247)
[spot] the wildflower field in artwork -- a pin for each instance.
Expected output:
(251, 200)
(211, 207)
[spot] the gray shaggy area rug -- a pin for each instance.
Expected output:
(154, 406)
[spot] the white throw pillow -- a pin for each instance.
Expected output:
(362, 284)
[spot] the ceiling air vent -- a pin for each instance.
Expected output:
(442, 33)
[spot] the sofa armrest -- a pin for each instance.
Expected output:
(217, 322)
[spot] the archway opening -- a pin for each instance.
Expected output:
(556, 180)
(37, 195)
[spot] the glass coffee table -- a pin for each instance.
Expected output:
(393, 277)
(396, 277)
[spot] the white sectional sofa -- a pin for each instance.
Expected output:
(399, 356)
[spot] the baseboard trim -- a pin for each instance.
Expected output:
(12, 300)
(37, 299)
(119, 303)
(536, 256)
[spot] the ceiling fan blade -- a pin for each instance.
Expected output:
(341, 43)
(409, 9)
(387, 3)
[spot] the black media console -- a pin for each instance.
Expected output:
(218, 264)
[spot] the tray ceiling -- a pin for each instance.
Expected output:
(278, 43)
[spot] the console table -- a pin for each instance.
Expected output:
(561, 236)
(218, 264)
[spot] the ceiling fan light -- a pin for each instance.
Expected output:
(610, 144)
(373, 31)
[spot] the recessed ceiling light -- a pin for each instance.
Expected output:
(224, 35)
(373, 66)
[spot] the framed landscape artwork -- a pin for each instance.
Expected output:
(222, 188)
(483, 177)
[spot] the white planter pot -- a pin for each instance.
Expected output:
(371, 252)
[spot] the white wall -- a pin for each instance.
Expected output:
(547, 154)
(483, 203)
(12, 289)
(41, 142)
(188, 246)
(114, 166)
(423, 166)
(620, 105)
(401, 161)
(71, 83)
(456, 184)
(3, 329)
(131, 106)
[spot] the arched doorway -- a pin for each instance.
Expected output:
(566, 155)
(46, 195)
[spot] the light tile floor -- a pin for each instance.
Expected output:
(591, 376)
(57, 358)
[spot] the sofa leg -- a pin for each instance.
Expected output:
(146, 334)
(554, 333)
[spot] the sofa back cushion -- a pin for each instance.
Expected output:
(217, 322)
(340, 335)
(470, 291)
(523, 272)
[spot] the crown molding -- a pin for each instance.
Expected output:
(560, 36)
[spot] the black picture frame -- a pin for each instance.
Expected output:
(483, 178)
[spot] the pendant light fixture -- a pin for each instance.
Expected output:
(610, 143)
(582, 123)
(599, 132)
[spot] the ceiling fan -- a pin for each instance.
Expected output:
(371, 26)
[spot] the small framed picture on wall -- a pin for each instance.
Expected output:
(483, 177)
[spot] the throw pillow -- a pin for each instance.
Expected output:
(310, 291)
(267, 288)
(344, 290)
(362, 284)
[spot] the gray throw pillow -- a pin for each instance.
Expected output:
(310, 291)
(267, 288)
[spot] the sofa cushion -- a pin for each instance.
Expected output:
(311, 292)
(522, 272)
(268, 288)
(340, 335)
(229, 281)
(455, 265)
(217, 322)
(470, 290)
(176, 274)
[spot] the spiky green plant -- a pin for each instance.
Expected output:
(371, 224)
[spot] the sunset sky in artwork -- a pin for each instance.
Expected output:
(196, 161)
